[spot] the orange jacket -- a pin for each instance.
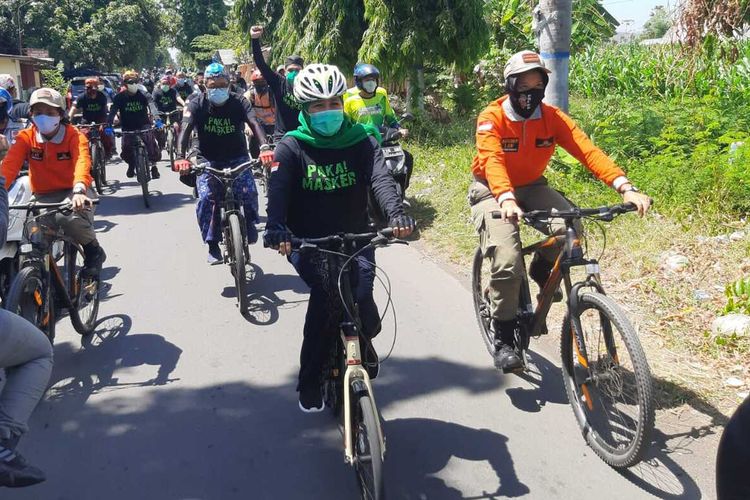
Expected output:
(52, 167)
(512, 153)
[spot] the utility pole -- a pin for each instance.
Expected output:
(552, 25)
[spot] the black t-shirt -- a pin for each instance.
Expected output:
(165, 101)
(319, 192)
(21, 110)
(184, 90)
(94, 110)
(287, 107)
(133, 109)
(220, 129)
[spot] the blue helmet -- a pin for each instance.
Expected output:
(214, 70)
(5, 97)
(362, 70)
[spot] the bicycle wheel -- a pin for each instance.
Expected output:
(96, 169)
(102, 165)
(142, 170)
(170, 148)
(237, 252)
(28, 298)
(82, 290)
(610, 389)
(368, 456)
(480, 286)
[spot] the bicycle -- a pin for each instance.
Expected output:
(171, 139)
(262, 174)
(608, 383)
(140, 155)
(233, 225)
(98, 158)
(346, 384)
(40, 285)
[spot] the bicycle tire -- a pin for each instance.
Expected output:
(95, 170)
(102, 164)
(481, 303)
(142, 172)
(170, 148)
(22, 300)
(238, 261)
(368, 456)
(579, 395)
(83, 292)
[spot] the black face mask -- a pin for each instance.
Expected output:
(533, 98)
(3, 112)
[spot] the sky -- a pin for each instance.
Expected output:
(636, 10)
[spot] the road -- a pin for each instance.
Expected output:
(177, 396)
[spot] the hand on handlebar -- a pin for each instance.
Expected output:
(640, 200)
(279, 239)
(109, 131)
(402, 225)
(158, 123)
(80, 202)
(182, 166)
(266, 157)
(510, 211)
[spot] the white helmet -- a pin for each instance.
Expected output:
(319, 81)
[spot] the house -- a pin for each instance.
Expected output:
(26, 70)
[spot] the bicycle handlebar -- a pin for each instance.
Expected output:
(169, 113)
(225, 172)
(604, 213)
(90, 125)
(378, 237)
(37, 205)
(134, 132)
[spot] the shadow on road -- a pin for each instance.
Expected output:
(545, 386)
(133, 204)
(419, 448)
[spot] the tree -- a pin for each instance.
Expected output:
(199, 17)
(657, 24)
(700, 19)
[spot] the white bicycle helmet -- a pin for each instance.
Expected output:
(319, 81)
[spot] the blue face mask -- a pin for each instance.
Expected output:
(327, 123)
(218, 96)
(47, 125)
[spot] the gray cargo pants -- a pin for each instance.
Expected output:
(77, 226)
(26, 356)
(500, 240)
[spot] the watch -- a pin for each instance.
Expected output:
(79, 190)
(631, 188)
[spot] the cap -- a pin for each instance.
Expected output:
(295, 59)
(47, 96)
(524, 61)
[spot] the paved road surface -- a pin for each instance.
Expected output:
(179, 397)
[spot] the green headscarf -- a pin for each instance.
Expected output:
(349, 135)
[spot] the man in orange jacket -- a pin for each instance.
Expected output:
(516, 137)
(59, 169)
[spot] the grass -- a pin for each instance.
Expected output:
(690, 363)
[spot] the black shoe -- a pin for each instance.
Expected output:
(130, 173)
(370, 359)
(155, 172)
(506, 358)
(17, 472)
(539, 271)
(93, 259)
(311, 400)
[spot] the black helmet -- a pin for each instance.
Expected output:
(363, 71)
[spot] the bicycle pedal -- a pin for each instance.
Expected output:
(518, 370)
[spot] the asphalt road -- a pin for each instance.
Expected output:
(177, 396)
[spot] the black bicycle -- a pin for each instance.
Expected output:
(140, 156)
(606, 374)
(170, 129)
(40, 284)
(261, 173)
(98, 157)
(346, 383)
(233, 225)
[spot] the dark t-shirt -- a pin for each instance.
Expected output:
(165, 101)
(133, 109)
(184, 90)
(93, 110)
(319, 192)
(220, 129)
(287, 107)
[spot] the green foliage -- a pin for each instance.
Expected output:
(199, 17)
(204, 46)
(663, 71)
(657, 24)
(738, 297)
(53, 78)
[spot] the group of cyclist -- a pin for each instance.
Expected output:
(325, 164)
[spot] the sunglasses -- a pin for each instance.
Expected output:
(130, 82)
